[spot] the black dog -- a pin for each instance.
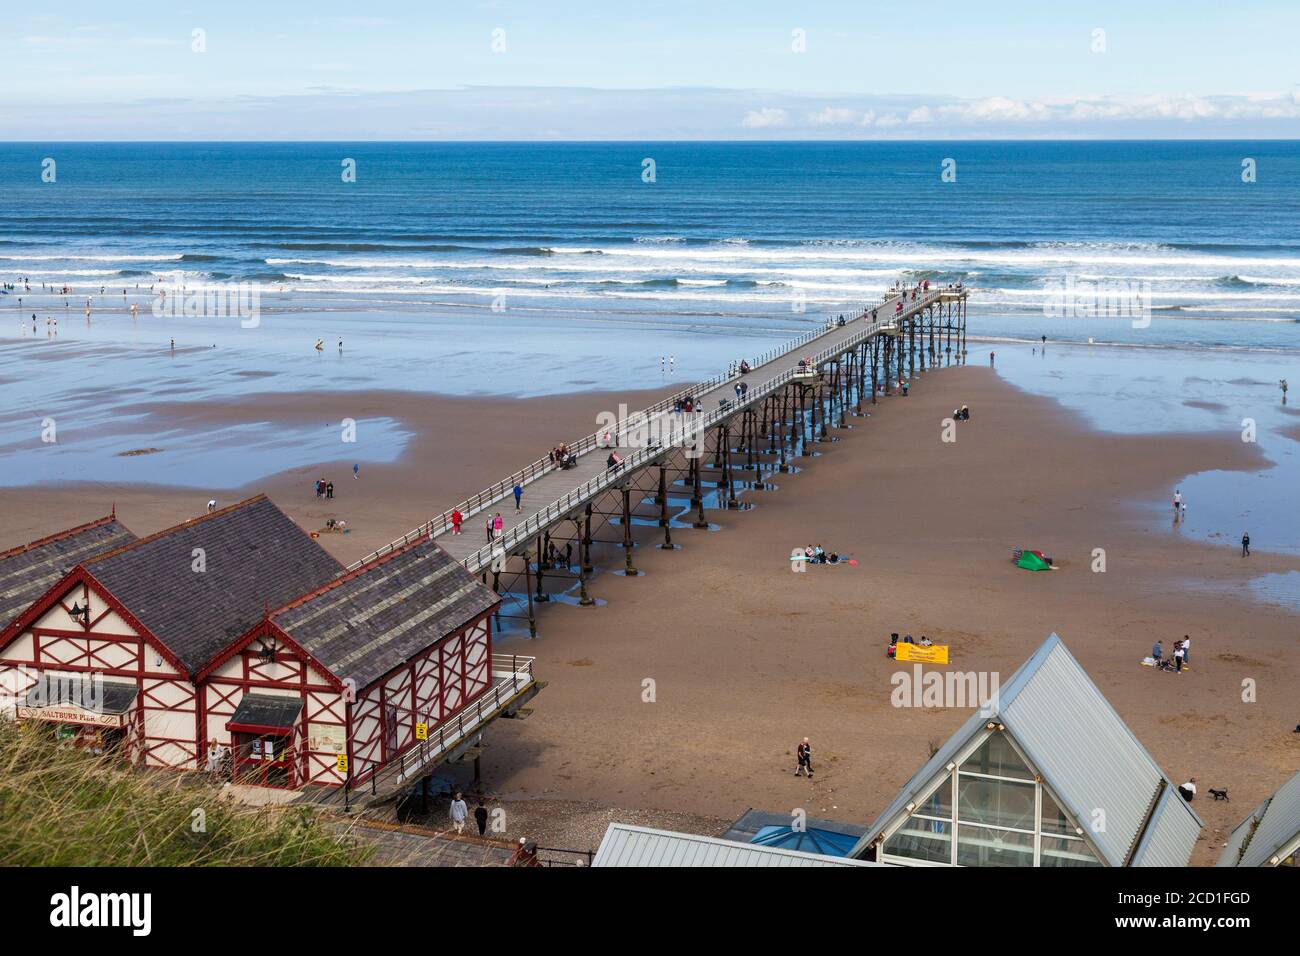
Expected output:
(1220, 794)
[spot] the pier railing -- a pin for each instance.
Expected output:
(442, 523)
(683, 437)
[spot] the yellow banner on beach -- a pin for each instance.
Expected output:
(934, 654)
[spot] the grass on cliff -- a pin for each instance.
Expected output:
(63, 807)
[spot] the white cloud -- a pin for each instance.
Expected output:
(765, 118)
(920, 115)
(832, 116)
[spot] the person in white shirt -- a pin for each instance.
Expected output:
(459, 811)
(1188, 790)
(1187, 649)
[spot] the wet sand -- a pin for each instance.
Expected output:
(458, 446)
(747, 658)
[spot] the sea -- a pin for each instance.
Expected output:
(703, 235)
(540, 268)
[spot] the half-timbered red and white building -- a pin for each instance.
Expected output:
(348, 677)
(135, 620)
(237, 629)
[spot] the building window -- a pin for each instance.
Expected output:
(1003, 817)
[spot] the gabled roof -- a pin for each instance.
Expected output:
(1270, 829)
(254, 557)
(28, 571)
(625, 845)
(1088, 759)
(372, 619)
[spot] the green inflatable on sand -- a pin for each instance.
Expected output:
(1032, 562)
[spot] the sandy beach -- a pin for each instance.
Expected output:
(747, 658)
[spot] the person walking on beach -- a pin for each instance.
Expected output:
(481, 818)
(1187, 649)
(356, 471)
(1178, 502)
(459, 811)
(803, 755)
(1245, 544)
(498, 525)
(1180, 655)
(519, 495)
(991, 357)
(329, 489)
(456, 519)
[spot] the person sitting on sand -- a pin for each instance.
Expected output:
(926, 642)
(965, 413)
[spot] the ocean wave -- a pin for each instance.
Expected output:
(78, 257)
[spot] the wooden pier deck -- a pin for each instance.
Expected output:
(552, 494)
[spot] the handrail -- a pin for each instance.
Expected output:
(516, 671)
(540, 520)
(442, 523)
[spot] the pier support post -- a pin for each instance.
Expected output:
(875, 363)
(585, 546)
(528, 588)
(629, 570)
(584, 598)
(769, 419)
(542, 597)
(749, 423)
(664, 521)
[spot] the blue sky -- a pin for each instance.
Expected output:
(654, 69)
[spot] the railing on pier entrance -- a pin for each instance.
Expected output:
(442, 523)
(536, 523)
(511, 675)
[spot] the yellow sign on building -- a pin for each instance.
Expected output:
(934, 654)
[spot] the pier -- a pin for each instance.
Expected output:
(794, 396)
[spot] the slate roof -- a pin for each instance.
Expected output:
(255, 557)
(1087, 756)
(28, 571)
(385, 612)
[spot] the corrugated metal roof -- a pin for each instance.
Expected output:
(1088, 758)
(626, 845)
(1171, 834)
(1278, 825)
